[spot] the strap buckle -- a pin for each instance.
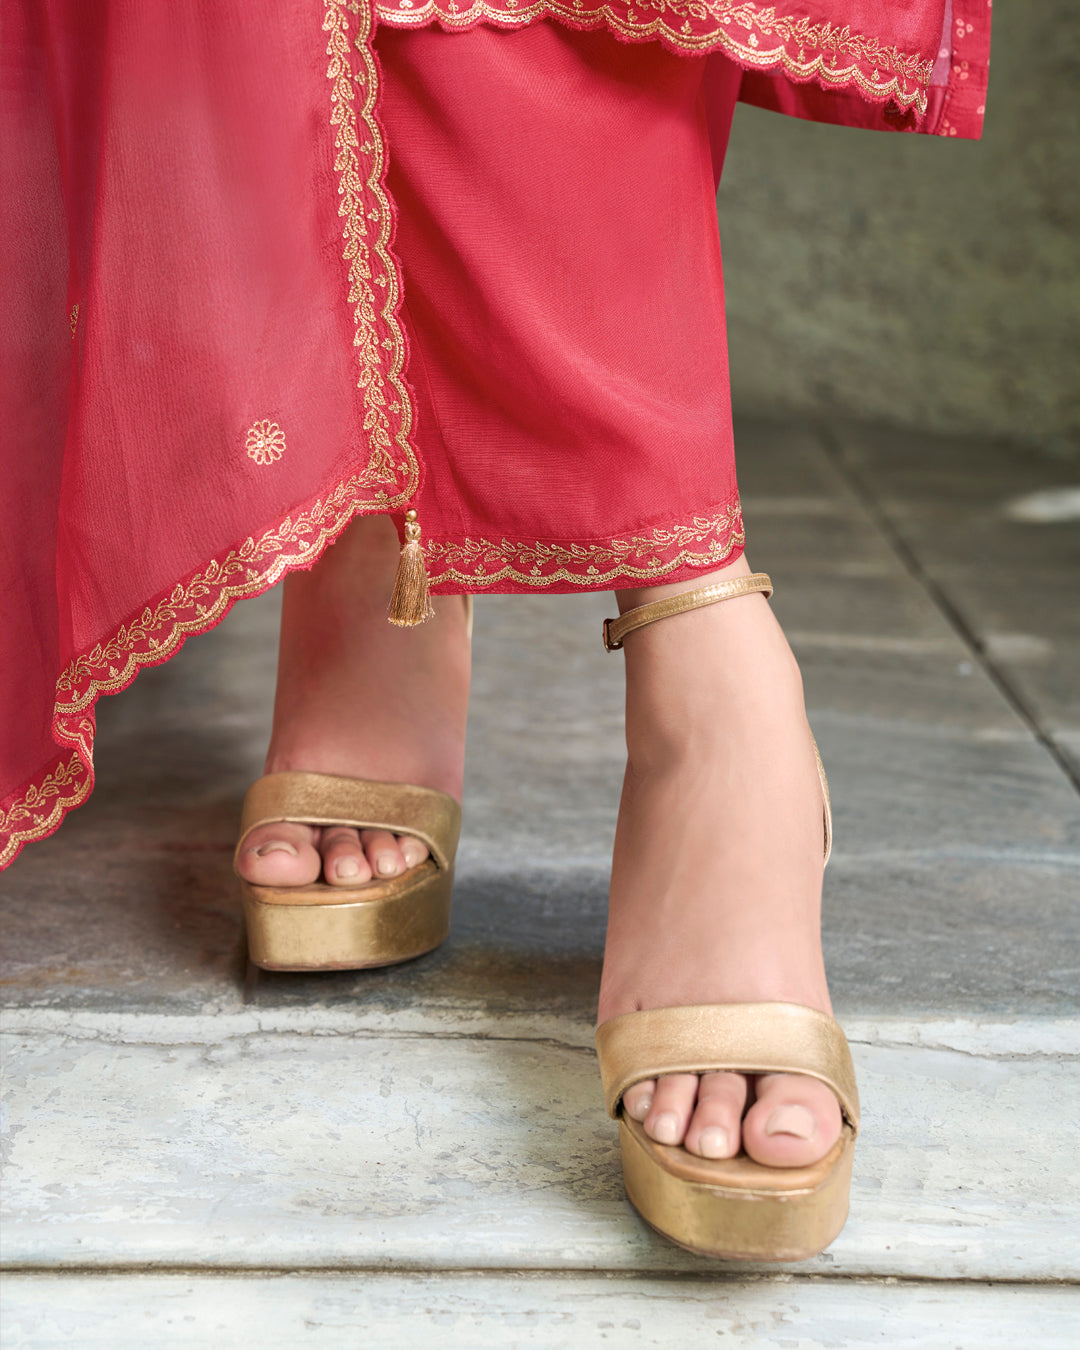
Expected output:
(610, 645)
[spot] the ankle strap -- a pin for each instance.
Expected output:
(615, 630)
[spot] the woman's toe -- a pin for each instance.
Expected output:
(637, 1100)
(794, 1120)
(412, 850)
(282, 854)
(672, 1106)
(714, 1130)
(383, 854)
(344, 861)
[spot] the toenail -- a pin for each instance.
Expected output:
(641, 1109)
(796, 1120)
(665, 1128)
(412, 853)
(714, 1143)
(346, 867)
(277, 846)
(386, 865)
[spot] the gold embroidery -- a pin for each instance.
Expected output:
(43, 805)
(73, 318)
(195, 605)
(265, 442)
(389, 479)
(706, 541)
(806, 50)
(367, 226)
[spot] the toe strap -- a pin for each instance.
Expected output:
(323, 799)
(730, 1037)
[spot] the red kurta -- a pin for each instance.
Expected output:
(206, 363)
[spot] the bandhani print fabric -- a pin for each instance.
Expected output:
(228, 328)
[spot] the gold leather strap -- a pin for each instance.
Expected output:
(727, 1037)
(322, 799)
(615, 630)
(826, 800)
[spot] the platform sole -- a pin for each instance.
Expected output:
(736, 1209)
(324, 928)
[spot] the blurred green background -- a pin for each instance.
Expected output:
(929, 283)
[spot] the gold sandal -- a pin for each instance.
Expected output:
(379, 923)
(730, 1207)
(321, 927)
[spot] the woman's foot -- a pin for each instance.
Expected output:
(360, 698)
(716, 880)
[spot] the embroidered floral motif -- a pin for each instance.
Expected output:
(265, 442)
(757, 35)
(73, 318)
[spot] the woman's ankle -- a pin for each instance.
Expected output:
(698, 682)
(357, 696)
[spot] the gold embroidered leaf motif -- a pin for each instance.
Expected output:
(703, 542)
(364, 204)
(838, 55)
(55, 784)
(265, 442)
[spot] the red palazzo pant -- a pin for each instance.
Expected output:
(564, 304)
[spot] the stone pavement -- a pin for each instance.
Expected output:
(204, 1158)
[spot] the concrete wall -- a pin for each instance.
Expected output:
(916, 280)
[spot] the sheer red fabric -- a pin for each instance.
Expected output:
(205, 362)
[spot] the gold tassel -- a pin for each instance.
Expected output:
(410, 603)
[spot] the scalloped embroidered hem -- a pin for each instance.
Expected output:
(198, 603)
(756, 36)
(937, 90)
(194, 605)
(714, 538)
